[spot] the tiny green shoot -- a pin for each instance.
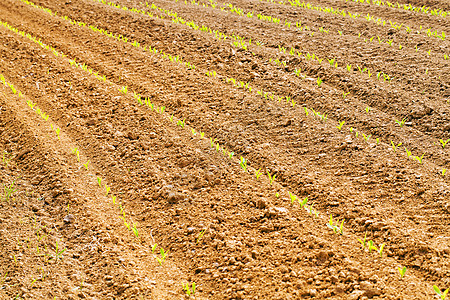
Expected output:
(440, 294)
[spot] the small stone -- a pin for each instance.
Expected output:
(174, 197)
(69, 219)
(190, 230)
(322, 255)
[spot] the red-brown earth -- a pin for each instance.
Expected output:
(91, 194)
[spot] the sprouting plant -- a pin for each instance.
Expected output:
(258, 173)
(293, 197)
(99, 181)
(230, 155)
(303, 202)
(340, 125)
(114, 199)
(57, 130)
(135, 230)
(243, 164)
(124, 89)
(344, 94)
(402, 271)
(419, 159)
(319, 81)
(181, 123)
(154, 247)
(188, 290)
(306, 110)
(444, 171)
(271, 178)
(395, 147)
(401, 123)
(202, 135)
(107, 189)
(349, 68)
(171, 118)
(371, 246)
(9, 190)
(440, 294)
(163, 256)
(380, 251)
(367, 109)
(443, 143)
(86, 165)
(201, 235)
(407, 152)
(58, 254)
(335, 228)
(366, 137)
(363, 242)
(6, 160)
(377, 140)
(212, 142)
(3, 279)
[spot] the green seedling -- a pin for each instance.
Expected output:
(154, 247)
(181, 123)
(243, 164)
(419, 159)
(163, 256)
(395, 147)
(293, 197)
(135, 230)
(212, 142)
(217, 147)
(9, 190)
(340, 125)
(271, 178)
(230, 154)
(258, 173)
(444, 171)
(201, 235)
(401, 123)
(114, 199)
(344, 94)
(57, 130)
(371, 246)
(6, 160)
(3, 279)
(306, 110)
(202, 135)
(188, 291)
(303, 202)
(124, 89)
(377, 140)
(171, 118)
(363, 242)
(367, 109)
(366, 137)
(277, 195)
(402, 271)
(380, 251)
(319, 81)
(58, 254)
(407, 152)
(99, 181)
(86, 165)
(336, 229)
(440, 294)
(193, 131)
(443, 143)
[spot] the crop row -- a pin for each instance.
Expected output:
(250, 89)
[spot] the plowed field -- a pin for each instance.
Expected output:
(211, 150)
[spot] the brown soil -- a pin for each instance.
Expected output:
(68, 235)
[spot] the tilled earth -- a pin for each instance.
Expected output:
(143, 152)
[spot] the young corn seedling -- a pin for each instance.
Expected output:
(154, 247)
(444, 171)
(363, 242)
(135, 231)
(319, 81)
(337, 229)
(344, 94)
(366, 137)
(306, 110)
(293, 198)
(402, 271)
(6, 160)
(367, 109)
(303, 202)
(181, 123)
(212, 142)
(124, 89)
(58, 254)
(443, 143)
(340, 125)
(419, 159)
(163, 256)
(243, 164)
(371, 246)
(258, 173)
(395, 147)
(440, 294)
(380, 251)
(86, 165)
(187, 289)
(9, 190)
(107, 189)
(99, 181)
(271, 178)
(401, 123)
(201, 235)
(230, 155)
